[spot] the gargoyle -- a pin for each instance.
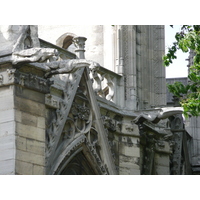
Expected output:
(27, 46)
(156, 115)
(36, 54)
(68, 66)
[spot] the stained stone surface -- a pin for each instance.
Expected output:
(51, 114)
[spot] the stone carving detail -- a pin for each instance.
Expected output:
(27, 47)
(103, 83)
(79, 123)
(32, 81)
(109, 123)
(62, 111)
(177, 157)
(67, 66)
(156, 115)
(79, 43)
(52, 101)
(10, 73)
(27, 37)
(34, 55)
(7, 77)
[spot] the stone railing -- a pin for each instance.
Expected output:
(62, 53)
(107, 84)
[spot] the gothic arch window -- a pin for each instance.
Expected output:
(66, 41)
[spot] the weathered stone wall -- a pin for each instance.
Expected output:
(22, 121)
(26, 115)
(7, 123)
(30, 131)
(129, 152)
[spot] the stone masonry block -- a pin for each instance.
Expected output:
(6, 116)
(162, 170)
(30, 94)
(30, 157)
(6, 102)
(161, 159)
(41, 122)
(124, 171)
(30, 132)
(129, 166)
(7, 167)
(7, 154)
(35, 147)
(7, 142)
(6, 129)
(129, 162)
(128, 171)
(129, 151)
(28, 119)
(18, 116)
(30, 106)
(134, 171)
(38, 170)
(129, 159)
(21, 143)
(24, 168)
(6, 91)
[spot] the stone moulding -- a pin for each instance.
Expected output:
(79, 144)
(52, 101)
(61, 142)
(32, 82)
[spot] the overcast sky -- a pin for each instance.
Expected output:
(179, 66)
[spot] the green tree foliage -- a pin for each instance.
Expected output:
(187, 39)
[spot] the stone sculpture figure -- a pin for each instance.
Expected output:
(157, 115)
(27, 47)
(36, 54)
(68, 66)
(28, 38)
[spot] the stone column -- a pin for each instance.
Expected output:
(79, 42)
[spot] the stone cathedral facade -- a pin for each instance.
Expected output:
(86, 100)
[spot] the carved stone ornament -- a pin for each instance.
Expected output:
(79, 123)
(156, 115)
(68, 66)
(103, 83)
(32, 82)
(26, 45)
(7, 77)
(79, 43)
(36, 54)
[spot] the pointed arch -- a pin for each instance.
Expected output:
(66, 40)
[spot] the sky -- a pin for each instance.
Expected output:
(179, 66)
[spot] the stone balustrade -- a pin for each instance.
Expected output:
(107, 84)
(62, 53)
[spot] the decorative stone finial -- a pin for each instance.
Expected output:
(79, 43)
